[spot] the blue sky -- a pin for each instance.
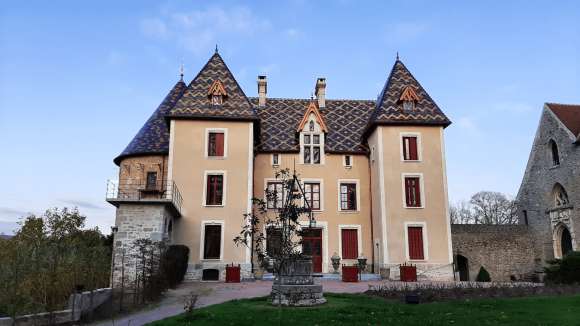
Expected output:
(79, 78)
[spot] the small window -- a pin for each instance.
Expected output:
(348, 197)
(412, 192)
(373, 154)
(348, 161)
(216, 100)
(212, 241)
(215, 144)
(214, 191)
(555, 153)
(151, 180)
(275, 159)
(311, 126)
(525, 213)
(349, 243)
(408, 105)
(415, 239)
(410, 152)
(312, 194)
(275, 195)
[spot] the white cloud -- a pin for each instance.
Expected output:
(269, 69)
(515, 107)
(467, 124)
(198, 30)
(292, 33)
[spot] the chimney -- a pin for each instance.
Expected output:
(262, 90)
(320, 92)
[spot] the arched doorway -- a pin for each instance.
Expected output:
(566, 241)
(463, 268)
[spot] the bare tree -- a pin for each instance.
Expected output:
(485, 207)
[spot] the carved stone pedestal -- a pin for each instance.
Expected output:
(295, 285)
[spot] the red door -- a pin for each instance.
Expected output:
(312, 246)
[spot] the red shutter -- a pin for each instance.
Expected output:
(412, 192)
(413, 148)
(219, 140)
(349, 244)
(415, 235)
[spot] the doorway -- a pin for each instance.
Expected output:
(312, 246)
(566, 242)
(463, 268)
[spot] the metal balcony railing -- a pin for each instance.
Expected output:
(136, 190)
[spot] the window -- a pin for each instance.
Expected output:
(312, 194)
(349, 243)
(215, 144)
(216, 100)
(555, 154)
(151, 181)
(275, 195)
(348, 197)
(275, 159)
(273, 241)
(410, 152)
(214, 191)
(373, 154)
(348, 161)
(412, 192)
(311, 148)
(212, 241)
(408, 105)
(415, 239)
(525, 212)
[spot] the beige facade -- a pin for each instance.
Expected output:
(377, 195)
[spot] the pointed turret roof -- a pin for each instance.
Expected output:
(401, 86)
(196, 103)
(153, 137)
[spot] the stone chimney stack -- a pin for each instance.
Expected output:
(320, 92)
(262, 90)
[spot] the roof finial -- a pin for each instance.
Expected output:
(216, 48)
(311, 95)
(397, 55)
(181, 71)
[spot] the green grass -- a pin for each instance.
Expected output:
(349, 309)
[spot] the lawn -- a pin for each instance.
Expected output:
(350, 309)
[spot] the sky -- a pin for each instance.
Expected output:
(78, 78)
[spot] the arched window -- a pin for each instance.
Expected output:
(554, 152)
(560, 196)
(311, 126)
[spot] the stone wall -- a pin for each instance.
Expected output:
(136, 221)
(535, 197)
(505, 251)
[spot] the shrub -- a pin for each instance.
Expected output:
(565, 270)
(483, 275)
(175, 264)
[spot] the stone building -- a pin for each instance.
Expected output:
(373, 171)
(549, 196)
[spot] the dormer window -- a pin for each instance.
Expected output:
(408, 98)
(216, 93)
(311, 132)
(311, 125)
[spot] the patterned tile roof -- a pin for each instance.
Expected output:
(569, 115)
(153, 137)
(195, 102)
(345, 119)
(389, 109)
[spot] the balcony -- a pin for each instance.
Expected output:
(136, 191)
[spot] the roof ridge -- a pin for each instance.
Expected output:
(562, 104)
(307, 99)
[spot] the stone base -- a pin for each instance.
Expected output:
(297, 295)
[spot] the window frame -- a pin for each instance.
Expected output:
(154, 185)
(356, 182)
(417, 135)
(272, 162)
(356, 227)
(344, 163)
(321, 189)
(555, 160)
(268, 181)
(423, 226)
(221, 223)
(206, 140)
(404, 176)
(206, 174)
(321, 143)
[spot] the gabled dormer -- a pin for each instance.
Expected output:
(217, 93)
(311, 132)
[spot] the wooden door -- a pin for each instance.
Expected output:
(312, 246)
